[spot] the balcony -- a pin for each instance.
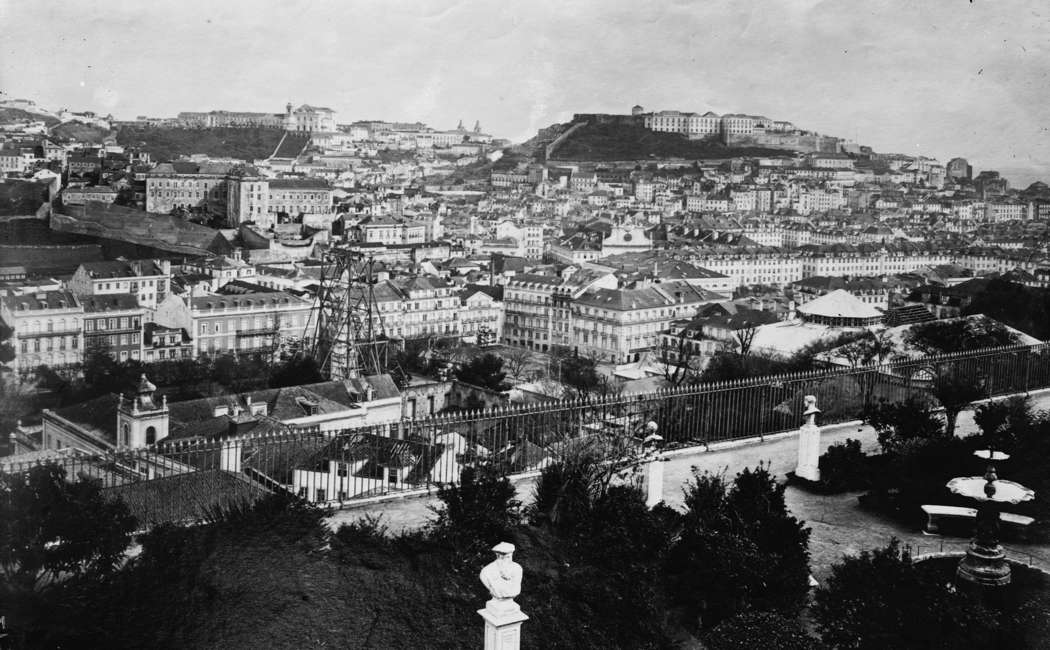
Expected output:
(68, 331)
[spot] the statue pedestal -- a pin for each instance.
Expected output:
(503, 619)
(654, 482)
(808, 466)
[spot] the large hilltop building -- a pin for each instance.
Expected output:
(306, 118)
(732, 128)
(236, 191)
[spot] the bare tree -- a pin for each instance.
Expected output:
(744, 337)
(680, 362)
(516, 360)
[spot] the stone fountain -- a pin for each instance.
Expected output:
(985, 562)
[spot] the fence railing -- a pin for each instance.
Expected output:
(184, 479)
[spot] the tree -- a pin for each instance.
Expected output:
(52, 529)
(744, 337)
(955, 391)
(681, 364)
(100, 368)
(1002, 421)
(7, 351)
(943, 336)
(739, 550)
(899, 423)
(580, 374)
(880, 599)
(515, 360)
(485, 371)
(296, 370)
(477, 512)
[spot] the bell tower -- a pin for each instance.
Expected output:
(141, 421)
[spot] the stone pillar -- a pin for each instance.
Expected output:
(230, 456)
(654, 488)
(808, 466)
(502, 626)
(654, 467)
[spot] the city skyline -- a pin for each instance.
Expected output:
(938, 79)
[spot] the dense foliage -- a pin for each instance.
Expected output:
(880, 600)
(764, 630)
(739, 550)
(844, 466)
(485, 371)
(172, 143)
(898, 424)
(477, 512)
(597, 141)
(57, 539)
(1023, 308)
(941, 336)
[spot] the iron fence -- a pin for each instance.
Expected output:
(179, 480)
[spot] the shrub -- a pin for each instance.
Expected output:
(764, 630)
(739, 549)
(1003, 421)
(478, 512)
(565, 490)
(897, 423)
(879, 599)
(844, 467)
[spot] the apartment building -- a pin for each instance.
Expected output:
(621, 325)
(148, 280)
(538, 308)
(241, 323)
(114, 322)
(46, 329)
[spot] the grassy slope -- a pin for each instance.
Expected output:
(600, 142)
(8, 115)
(77, 132)
(257, 590)
(170, 144)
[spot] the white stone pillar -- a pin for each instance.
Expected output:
(654, 467)
(808, 466)
(502, 627)
(654, 476)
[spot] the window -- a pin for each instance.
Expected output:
(125, 435)
(342, 470)
(89, 326)
(321, 495)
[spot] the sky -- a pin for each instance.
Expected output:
(942, 78)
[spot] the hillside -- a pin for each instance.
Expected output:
(170, 144)
(78, 132)
(600, 142)
(11, 115)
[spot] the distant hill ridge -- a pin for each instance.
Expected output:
(618, 141)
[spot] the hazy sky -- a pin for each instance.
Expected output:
(941, 78)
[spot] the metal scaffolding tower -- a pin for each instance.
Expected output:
(349, 336)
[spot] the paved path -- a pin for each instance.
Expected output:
(840, 527)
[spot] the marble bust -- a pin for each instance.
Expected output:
(811, 411)
(502, 577)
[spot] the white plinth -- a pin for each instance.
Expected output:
(808, 466)
(502, 624)
(654, 479)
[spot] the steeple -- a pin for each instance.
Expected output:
(477, 126)
(140, 420)
(460, 127)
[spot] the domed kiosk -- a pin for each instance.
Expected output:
(839, 308)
